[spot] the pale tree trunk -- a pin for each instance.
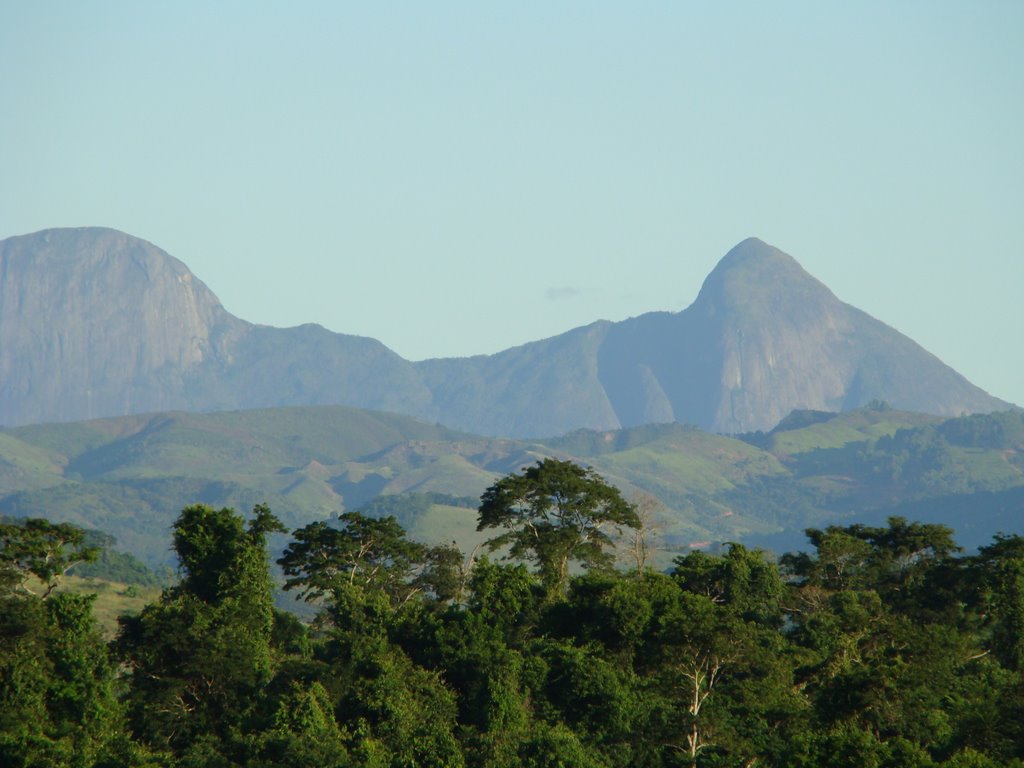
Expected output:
(635, 544)
(700, 673)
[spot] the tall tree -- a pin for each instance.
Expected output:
(362, 552)
(199, 658)
(58, 704)
(1002, 565)
(554, 513)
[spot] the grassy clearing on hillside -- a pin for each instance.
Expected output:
(24, 466)
(443, 524)
(113, 599)
(714, 468)
(985, 469)
(816, 437)
(841, 429)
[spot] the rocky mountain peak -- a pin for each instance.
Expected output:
(106, 320)
(94, 322)
(755, 277)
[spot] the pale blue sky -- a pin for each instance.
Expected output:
(457, 178)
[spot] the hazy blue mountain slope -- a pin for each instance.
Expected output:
(543, 388)
(309, 365)
(96, 323)
(764, 338)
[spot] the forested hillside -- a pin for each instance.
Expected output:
(131, 476)
(880, 646)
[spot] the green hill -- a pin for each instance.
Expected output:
(130, 476)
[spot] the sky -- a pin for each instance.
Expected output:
(456, 178)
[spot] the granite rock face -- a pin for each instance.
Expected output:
(764, 338)
(95, 323)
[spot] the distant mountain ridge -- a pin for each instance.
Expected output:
(95, 323)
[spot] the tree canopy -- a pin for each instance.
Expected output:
(879, 646)
(553, 513)
(39, 550)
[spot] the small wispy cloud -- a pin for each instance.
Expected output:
(561, 292)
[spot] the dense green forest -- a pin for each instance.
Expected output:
(879, 646)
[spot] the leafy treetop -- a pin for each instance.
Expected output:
(553, 513)
(42, 550)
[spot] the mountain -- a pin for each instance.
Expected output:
(762, 338)
(97, 323)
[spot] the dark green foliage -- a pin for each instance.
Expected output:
(362, 552)
(373, 554)
(37, 549)
(304, 732)
(200, 656)
(894, 560)
(58, 703)
(743, 581)
(554, 513)
(400, 710)
(883, 646)
(1002, 580)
